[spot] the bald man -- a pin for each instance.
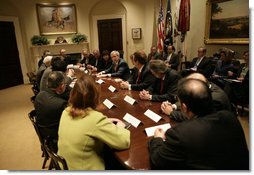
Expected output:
(208, 140)
(219, 97)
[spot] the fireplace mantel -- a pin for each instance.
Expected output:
(37, 51)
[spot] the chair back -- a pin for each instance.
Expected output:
(55, 157)
(32, 116)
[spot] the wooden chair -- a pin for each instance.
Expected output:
(32, 116)
(55, 159)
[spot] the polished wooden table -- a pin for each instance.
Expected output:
(136, 157)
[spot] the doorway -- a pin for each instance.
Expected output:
(10, 69)
(110, 35)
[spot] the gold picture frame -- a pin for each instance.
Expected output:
(227, 22)
(55, 19)
(136, 33)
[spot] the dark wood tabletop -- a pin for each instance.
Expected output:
(136, 157)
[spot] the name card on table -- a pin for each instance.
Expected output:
(129, 100)
(112, 88)
(108, 103)
(100, 81)
(150, 131)
(132, 120)
(152, 115)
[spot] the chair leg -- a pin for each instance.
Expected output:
(44, 162)
(51, 165)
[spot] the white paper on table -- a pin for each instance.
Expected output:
(132, 120)
(112, 88)
(150, 131)
(100, 81)
(129, 100)
(152, 115)
(108, 103)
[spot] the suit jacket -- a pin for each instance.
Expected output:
(156, 56)
(212, 142)
(49, 107)
(39, 73)
(169, 89)
(81, 141)
(146, 79)
(122, 70)
(204, 67)
(174, 60)
(100, 63)
(105, 65)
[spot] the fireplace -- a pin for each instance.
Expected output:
(74, 50)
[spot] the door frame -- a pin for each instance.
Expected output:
(20, 45)
(95, 40)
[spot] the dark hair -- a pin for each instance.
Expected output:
(58, 64)
(55, 79)
(173, 47)
(105, 52)
(158, 66)
(84, 94)
(223, 51)
(138, 57)
(195, 94)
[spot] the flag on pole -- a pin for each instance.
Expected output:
(160, 29)
(168, 26)
(184, 16)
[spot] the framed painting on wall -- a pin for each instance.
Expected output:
(227, 22)
(56, 18)
(136, 33)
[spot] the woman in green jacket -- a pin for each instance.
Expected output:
(83, 131)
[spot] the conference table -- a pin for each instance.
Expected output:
(137, 156)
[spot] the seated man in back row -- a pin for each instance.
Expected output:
(201, 64)
(119, 68)
(165, 85)
(208, 140)
(141, 77)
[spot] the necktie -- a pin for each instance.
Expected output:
(115, 67)
(138, 79)
(161, 88)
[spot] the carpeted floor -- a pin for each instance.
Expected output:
(19, 144)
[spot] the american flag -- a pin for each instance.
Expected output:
(168, 28)
(160, 29)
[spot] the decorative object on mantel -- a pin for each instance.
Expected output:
(79, 38)
(39, 40)
(60, 40)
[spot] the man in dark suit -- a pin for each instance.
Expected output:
(165, 85)
(50, 103)
(200, 64)
(154, 54)
(208, 140)
(220, 100)
(95, 61)
(119, 68)
(140, 79)
(171, 59)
